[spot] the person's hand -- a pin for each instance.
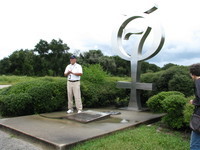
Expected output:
(191, 101)
(70, 72)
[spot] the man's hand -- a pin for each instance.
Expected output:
(70, 72)
(191, 101)
(66, 74)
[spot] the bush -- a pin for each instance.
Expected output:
(50, 94)
(175, 78)
(101, 94)
(188, 111)
(41, 96)
(121, 102)
(37, 96)
(181, 83)
(94, 73)
(151, 77)
(16, 104)
(23, 87)
(173, 105)
(154, 102)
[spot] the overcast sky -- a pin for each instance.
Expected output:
(88, 24)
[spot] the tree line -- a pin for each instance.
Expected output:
(51, 59)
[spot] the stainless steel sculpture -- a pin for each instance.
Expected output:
(136, 56)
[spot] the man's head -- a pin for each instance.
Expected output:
(73, 59)
(195, 70)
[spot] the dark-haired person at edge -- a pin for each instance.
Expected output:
(74, 72)
(195, 74)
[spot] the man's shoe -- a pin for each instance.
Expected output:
(70, 111)
(79, 111)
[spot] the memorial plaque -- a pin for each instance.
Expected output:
(88, 116)
(113, 112)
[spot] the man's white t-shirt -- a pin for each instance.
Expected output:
(75, 68)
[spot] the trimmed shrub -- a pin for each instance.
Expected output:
(16, 104)
(154, 102)
(173, 105)
(41, 97)
(37, 96)
(121, 102)
(90, 94)
(4, 91)
(23, 87)
(151, 77)
(50, 94)
(181, 83)
(175, 78)
(188, 111)
(94, 73)
(100, 95)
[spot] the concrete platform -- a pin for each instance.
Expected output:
(50, 132)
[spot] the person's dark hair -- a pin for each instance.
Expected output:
(195, 69)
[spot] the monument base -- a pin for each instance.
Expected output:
(134, 109)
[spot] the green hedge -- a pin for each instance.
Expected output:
(101, 94)
(50, 94)
(188, 111)
(97, 89)
(16, 104)
(155, 102)
(94, 73)
(37, 96)
(175, 105)
(48, 97)
(175, 78)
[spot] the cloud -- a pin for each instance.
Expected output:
(88, 24)
(177, 56)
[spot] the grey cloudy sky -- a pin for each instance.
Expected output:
(88, 24)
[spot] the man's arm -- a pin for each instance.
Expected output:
(79, 72)
(67, 72)
(76, 74)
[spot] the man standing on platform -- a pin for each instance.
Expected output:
(74, 72)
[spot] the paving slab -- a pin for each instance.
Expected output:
(53, 131)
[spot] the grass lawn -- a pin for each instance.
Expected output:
(141, 138)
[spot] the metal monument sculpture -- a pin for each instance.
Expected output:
(136, 56)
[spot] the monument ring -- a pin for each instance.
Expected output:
(151, 26)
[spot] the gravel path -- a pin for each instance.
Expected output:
(10, 142)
